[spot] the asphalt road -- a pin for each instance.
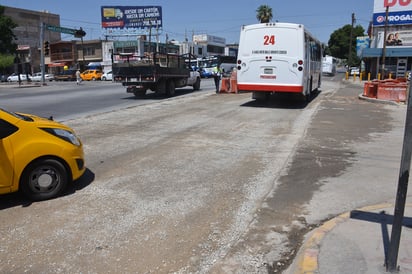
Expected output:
(66, 100)
(200, 183)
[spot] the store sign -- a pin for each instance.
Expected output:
(400, 12)
(362, 42)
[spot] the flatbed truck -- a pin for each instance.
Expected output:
(159, 72)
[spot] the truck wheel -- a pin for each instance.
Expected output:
(170, 88)
(139, 93)
(196, 86)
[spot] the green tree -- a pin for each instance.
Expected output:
(264, 14)
(6, 61)
(338, 44)
(7, 37)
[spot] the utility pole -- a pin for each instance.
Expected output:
(391, 264)
(385, 31)
(150, 38)
(157, 37)
(80, 33)
(350, 39)
(42, 68)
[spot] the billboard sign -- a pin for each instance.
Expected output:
(400, 12)
(131, 17)
(394, 39)
(219, 41)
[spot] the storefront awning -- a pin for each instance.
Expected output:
(56, 65)
(390, 52)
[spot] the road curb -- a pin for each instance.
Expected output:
(307, 260)
(374, 100)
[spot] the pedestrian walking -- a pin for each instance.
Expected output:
(78, 78)
(217, 75)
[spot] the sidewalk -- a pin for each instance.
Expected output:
(24, 84)
(356, 241)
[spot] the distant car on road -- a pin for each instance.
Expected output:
(354, 70)
(204, 73)
(66, 75)
(37, 77)
(107, 76)
(15, 78)
(91, 74)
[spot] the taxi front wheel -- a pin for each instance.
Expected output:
(44, 179)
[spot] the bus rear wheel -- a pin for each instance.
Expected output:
(260, 96)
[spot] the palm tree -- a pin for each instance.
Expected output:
(264, 14)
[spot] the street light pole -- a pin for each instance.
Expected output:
(42, 68)
(350, 40)
(385, 30)
(391, 264)
(80, 33)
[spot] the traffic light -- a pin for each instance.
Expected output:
(80, 33)
(46, 47)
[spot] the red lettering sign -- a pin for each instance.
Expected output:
(269, 40)
(391, 3)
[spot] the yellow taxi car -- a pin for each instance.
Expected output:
(38, 156)
(91, 74)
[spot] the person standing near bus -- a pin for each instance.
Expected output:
(217, 74)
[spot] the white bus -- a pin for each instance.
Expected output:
(226, 63)
(329, 65)
(278, 57)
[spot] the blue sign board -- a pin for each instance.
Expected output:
(131, 17)
(394, 18)
(399, 12)
(362, 42)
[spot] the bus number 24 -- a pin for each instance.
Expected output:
(269, 40)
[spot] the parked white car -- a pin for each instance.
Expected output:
(354, 70)
(36, 77)
(107, 76)
(15, 78)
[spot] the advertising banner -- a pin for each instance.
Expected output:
(400, 12)
(362, 42)
(395, 39)
(131, 17)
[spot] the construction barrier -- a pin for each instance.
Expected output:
(233, 86)
(370, 89)
(233, 82)
(224, 85)
(229, 84)
(389, 90)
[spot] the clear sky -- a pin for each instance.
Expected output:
(182, 18)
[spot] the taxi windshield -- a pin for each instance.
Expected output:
(18, 115)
